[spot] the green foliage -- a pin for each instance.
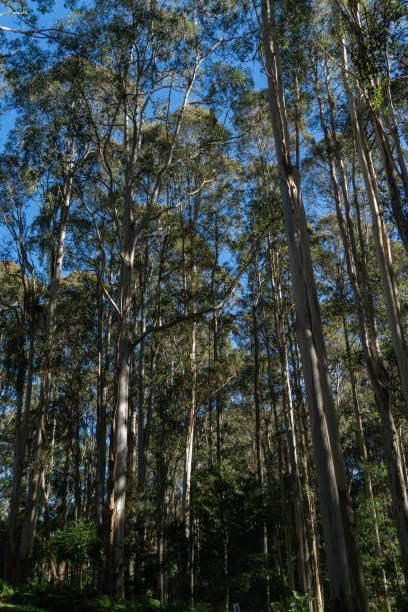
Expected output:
(6, 590)
(203, 607)
(296, 603)
(70, 599)
(19, 608)
(58, 598)
(77, 543)
(378, 98)
(36, 598)
(230, 504)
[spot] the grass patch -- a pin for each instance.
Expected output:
(16, 608)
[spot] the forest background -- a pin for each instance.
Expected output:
(203, 305)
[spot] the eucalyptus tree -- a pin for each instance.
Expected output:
(201, 194)
(376, 41)
(369, 335)
(141, 63)
(52, 149)
(129, 46)
(25, 304)
(94, 250)
(267, 225)
(20, 319)
(132, 183)
(373, 354)
(346, 580)
(381, 239)
(334, 273)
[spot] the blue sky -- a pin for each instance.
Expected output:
(11, 21)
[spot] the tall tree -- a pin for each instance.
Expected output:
(342, 554)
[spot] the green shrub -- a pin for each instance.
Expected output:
(6, 590)
(203, 607)
(297, 603)
(102, 602)
(178, 606)
(77, 543)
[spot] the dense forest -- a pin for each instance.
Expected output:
(204, 305)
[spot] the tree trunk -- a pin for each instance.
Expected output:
(22, 569)
(367, 85)
(119, 433)
(258, 425)
(76, 455)
(310, 508)
(103, 368)
(187, 516)
(391, 121)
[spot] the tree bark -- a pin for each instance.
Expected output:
(104, 340)
(258, 419)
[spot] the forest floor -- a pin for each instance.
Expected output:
(66, 598)
(19, 608)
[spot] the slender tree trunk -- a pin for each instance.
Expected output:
(397, 206)
(132, 230)
(360, 48)
(103, 367)
(309, 504)
(17, 472)
(258, 425)
(191, 417)
(119, 434)
(22, 569)
(76, 454)
(218, 398)
(401, 450)
(141, 410)
(46, 487)
(392, 123)
(285, 506)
